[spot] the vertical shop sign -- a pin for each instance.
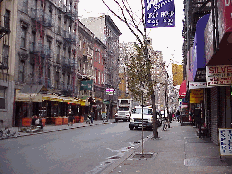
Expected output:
(225, 140)
(159, 13)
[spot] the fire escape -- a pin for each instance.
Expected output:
(40, 53)
(4, 32)
(194, 10)
(69, 36)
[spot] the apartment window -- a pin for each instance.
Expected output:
(2, 97)
(21, 71)
(50, 11)
(49, 73)
(7, 19)
(33, 42)
(5, 55)
(23, 37)
(57, 80)
(32, 67)
(68, 82)
(69, 54)
(59, 24)
(25, 6)
(58, 54)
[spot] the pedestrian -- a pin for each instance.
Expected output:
(178, 115)
(33, 120)
(92, 116)
(38, 122)
(70, 117)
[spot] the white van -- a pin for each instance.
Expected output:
(136, 118)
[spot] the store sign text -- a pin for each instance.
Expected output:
(220, 75)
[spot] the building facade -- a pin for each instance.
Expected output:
(8, 11)
(46, 58)
(105, 29)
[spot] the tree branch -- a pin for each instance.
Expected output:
(124, 19)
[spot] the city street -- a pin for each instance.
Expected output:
(83, 150)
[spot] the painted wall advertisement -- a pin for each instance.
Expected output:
(220, 75)
(196, 95)
(225, 140)
(159, 13)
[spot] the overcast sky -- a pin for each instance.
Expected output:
(168, 40)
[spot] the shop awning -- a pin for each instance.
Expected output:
(28, 97)
(182, 91)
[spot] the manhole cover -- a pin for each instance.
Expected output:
(205, 162)
(115, 157)
(149, 155)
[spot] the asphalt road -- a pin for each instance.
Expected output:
(83, 150)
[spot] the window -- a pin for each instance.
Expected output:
(59, 23)
(33, 42)
(5, 55)
(58, 54)
(2, 98)
(23, 37)
(68, 82)
(25, 6)
(21, 71)
(7, 19)
(56, 79)
(49, 73)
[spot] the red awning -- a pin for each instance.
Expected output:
(182, 91)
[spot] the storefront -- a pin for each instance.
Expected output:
(218, 69)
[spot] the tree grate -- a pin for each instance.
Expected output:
(143, 156)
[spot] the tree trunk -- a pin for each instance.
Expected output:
(155, 132)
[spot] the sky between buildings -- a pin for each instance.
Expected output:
(169, 40)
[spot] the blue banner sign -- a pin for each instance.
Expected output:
(159, 13)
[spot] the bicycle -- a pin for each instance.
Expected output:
(7, 133)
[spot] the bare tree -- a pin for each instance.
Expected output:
(137, 27)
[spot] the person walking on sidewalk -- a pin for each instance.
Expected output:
(178, 115)
(92, 116)
(70, 117)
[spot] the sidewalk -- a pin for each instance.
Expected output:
(53, 128)
(178, 151)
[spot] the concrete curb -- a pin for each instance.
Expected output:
(49, 131)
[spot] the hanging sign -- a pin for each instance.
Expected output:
(196, 95)
(220, 75)
(198, 85)
(225, 140)
(109, 91)
(86, 85)
(159, 13)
